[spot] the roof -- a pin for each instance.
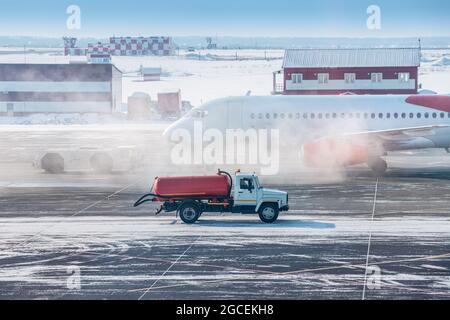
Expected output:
(335, 58)
(56, 72)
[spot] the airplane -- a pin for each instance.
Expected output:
(340, 130)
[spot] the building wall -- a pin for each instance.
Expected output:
(116, 90)
(127, 46)
(59, 88)
(363, 84)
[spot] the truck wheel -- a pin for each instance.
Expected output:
(189, 212)
(101, 163)
(53, 163)
(268, 213)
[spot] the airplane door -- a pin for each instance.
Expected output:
(234, 115)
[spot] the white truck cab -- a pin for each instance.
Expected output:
(251, 197)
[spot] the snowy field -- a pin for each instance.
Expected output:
(209, 74)
(201, 76)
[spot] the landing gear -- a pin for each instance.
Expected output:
(378, 166)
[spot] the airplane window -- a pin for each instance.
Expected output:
(313, 115)
(334, 115)
(419, 115)
(396, 115)
(342, 115)
(388, 115)
(297, 115)
(350, 115)
(260, 116)
(305, 116)
(320, 116)
(267, 115)
(411, 115)
(327, 116)
(282, 116)
(403, 115)
(427, 115)
(290, 116)
(373, 116)
(358, 116)
(275, 115)
(434, 115)
(366, 115)
(380, 115)
(252, 116)
(449, 114)
(442, 115)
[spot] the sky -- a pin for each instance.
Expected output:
(254, 18)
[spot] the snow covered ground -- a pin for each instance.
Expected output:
(315, 251)
(205, 75)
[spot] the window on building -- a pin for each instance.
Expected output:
(350, 77)
(376, 77)
(297, 78)
(404, 76)
(323, 78)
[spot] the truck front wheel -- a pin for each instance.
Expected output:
(268, 213)
(189, 212)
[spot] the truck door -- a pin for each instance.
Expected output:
(246, 192)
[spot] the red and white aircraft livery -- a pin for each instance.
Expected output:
(335, 130)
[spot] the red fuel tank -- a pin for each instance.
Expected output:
(196, 186)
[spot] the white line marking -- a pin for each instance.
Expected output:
(168, 269)
(370, 238)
